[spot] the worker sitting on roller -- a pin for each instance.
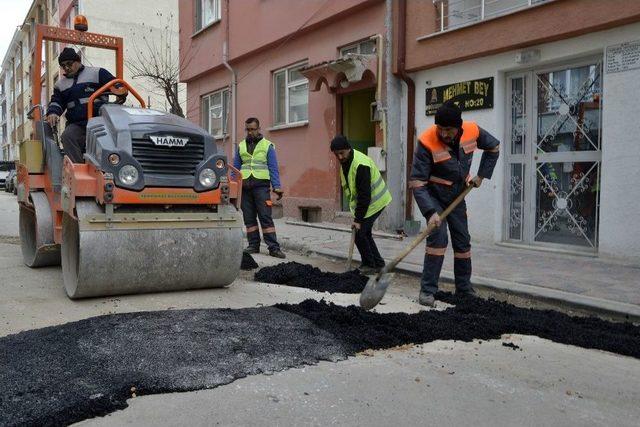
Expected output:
(440, 173)
(71, 93)
(367, 194)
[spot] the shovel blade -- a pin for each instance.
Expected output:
(374, 291)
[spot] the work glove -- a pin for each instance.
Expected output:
(279, 193)
(52, 119)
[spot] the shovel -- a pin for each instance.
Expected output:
(377, 286)
(351, 244)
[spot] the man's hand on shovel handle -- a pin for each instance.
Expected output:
(435, 220)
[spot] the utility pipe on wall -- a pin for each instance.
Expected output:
(401, 25)
(234, 81)
(379, 104)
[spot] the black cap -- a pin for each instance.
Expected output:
(68, 54)
(340, 143)
(449, 115)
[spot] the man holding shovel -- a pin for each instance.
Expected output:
(439, 174)
(367, 194)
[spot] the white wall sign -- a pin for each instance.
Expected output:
(623, 57)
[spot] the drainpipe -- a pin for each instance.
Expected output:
(401, 25)
(234, 82)
(379, 40)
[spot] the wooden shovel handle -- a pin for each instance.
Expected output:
(420, 237)
(351, 244)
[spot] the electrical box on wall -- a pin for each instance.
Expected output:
(374, 113)
(379, 157)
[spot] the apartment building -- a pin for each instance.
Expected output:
(557, 82)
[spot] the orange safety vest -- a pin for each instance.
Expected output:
(438, 149)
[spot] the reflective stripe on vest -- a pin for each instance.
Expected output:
(255, 164)
(380, 195)
(438, 149)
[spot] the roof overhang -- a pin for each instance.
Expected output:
(351, 68)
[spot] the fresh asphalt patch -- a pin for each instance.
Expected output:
(64, 374)
(310, 277)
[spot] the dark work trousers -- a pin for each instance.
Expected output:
(437, 245)
(365, 244)
(73, 142)
(256, 204)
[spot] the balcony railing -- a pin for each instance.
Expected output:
(459, 13)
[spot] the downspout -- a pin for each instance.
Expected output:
(234, 81)
(401, 22)
(379, 40)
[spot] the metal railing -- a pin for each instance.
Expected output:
(459, 13)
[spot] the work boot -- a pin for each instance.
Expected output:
(469, 291)
(367, 271)
(426, 299)
(251, 250)
(277, 253)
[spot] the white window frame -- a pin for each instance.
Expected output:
(224, 93)
(477, 13)
(288, 86)
(216, 14)
(358, 47)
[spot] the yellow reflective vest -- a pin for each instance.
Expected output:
(380, 195)
(255, 164)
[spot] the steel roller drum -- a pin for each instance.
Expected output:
(36, 233)
(160, 256)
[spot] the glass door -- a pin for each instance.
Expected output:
(553, 162)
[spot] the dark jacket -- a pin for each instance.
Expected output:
(72, 94)
(437, 184)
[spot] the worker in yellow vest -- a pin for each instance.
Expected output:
(367, 194)
(256, 159)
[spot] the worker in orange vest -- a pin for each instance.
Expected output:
(440, 172)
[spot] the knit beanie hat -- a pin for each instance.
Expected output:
(449, 115)
(340, 143)
(68, 54)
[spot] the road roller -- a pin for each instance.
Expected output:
(154, 207)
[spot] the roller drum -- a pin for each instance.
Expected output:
(36, 232)
(132, 261)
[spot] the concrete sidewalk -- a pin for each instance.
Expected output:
(584, 282)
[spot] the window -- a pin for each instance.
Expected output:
(291, 96)
(458, 13)
(207, 12)
(215, 110)
(365, 47)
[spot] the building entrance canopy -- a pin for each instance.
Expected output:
(351, 68)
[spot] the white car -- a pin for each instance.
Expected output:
(5, 168)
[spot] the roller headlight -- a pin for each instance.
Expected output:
(128, 175)
(220, 163)
(207, 177)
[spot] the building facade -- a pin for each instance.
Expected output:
(308, 71)
(136, 27)
(557, 82)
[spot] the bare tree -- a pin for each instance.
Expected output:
(154, 58)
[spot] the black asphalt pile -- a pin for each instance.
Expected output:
(307, 276)
(64, 374)
(248, 263)
(470, 318)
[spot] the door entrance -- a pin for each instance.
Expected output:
(357, 125)
(553, 158)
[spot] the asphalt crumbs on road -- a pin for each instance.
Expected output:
(310, 277)
(64, 374)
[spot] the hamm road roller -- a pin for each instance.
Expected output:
(153, 208)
